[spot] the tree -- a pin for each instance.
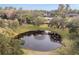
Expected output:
(20, 8)
(10, 8)
(38, 21)
(10, 13)
(61, 9)
(67, 8)
(57, 22)
(29, 19)
(73, 28)
(6, 8)
(13, 24)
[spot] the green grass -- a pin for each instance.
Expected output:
(25, 28)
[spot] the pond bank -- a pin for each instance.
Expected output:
(31, 52)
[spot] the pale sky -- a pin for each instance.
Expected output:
(38, 6)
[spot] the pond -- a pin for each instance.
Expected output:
(41, 41)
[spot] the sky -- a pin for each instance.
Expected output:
(37, 6)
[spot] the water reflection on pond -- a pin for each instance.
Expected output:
(40, 42)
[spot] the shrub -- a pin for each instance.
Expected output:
(9, 46)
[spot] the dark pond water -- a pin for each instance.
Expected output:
(40, 42)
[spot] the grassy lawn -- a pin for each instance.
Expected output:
(25, 28)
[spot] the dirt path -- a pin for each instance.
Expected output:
(31, 52)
